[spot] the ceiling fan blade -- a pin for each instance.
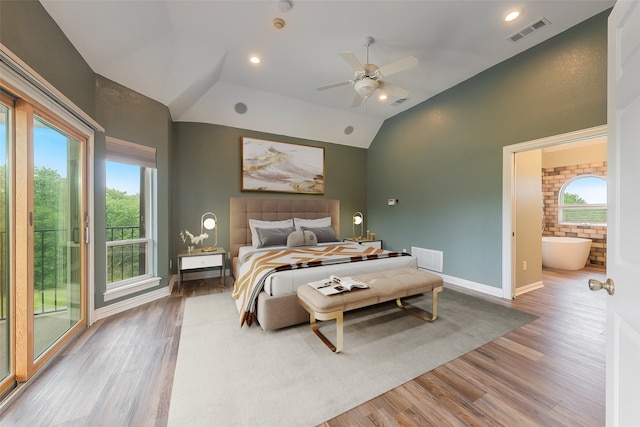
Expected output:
(397, 66)
(331, 86)
(357, 100)
(353, 62)
(393, 90)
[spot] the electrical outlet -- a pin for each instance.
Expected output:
(391, 202)
(524, 265)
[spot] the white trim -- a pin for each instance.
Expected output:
(129, 289)
(562, 207)
(91, 259)
(528, 288)
(508, 196)
(121, 151)
(468, 284)
(39, 88)
(125, 242)
(130, 303)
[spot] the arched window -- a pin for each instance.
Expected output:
(583, 201)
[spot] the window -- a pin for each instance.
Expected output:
(130, 213)
(583, 201)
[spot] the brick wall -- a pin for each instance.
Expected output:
(552, 181)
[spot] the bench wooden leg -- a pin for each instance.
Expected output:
(434, 306)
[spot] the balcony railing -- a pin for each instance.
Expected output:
(126, 258)
(52, 270)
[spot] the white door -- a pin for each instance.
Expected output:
(623, 240)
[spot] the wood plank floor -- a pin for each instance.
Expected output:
(547, 373)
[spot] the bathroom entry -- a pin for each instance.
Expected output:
(530, 207)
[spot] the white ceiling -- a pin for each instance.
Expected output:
(193, 55)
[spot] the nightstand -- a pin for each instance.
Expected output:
(199, 259)
(371, 243)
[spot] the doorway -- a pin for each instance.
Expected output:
(510, 264)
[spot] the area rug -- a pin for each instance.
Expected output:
(231, 376)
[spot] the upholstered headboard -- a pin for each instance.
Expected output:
(243, 209)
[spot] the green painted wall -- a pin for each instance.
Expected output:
(206, 173)
(132, 117)
(447, 151)
(27, 29)
(29, 32)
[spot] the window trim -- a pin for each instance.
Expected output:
(141, 156)
(562, 206)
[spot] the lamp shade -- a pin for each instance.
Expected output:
(358, 224)
(366, 87)
(209, 221)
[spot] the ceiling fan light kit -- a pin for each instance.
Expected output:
(366, 87)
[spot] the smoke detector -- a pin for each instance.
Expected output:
(278, 23)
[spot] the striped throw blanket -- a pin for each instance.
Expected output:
(255, 270)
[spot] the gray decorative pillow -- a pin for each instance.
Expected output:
(323, 234)
(273, 236)
(301, 238)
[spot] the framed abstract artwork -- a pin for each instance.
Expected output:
(282, 167)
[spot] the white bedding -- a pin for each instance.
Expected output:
(286, 282)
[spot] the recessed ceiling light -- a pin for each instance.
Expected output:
(512, 15)
(382, 97)
(254, 60)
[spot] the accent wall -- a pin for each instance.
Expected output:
(443, 158)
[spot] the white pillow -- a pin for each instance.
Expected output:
(313, 223)
(256, 223)
(301, 238)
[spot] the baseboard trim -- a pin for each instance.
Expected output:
(468, 284)
(119, 307)
(528, 288)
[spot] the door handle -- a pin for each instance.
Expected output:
(596, 285)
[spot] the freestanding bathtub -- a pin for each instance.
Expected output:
(565, 253)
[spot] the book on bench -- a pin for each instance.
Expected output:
(336, 285)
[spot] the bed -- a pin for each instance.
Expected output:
(276, 304)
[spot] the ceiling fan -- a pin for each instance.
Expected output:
(368, 77)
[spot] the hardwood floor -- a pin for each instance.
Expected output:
(549, 372)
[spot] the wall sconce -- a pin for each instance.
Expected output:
(208, 222)
(358, 221)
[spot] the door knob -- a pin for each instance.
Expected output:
(596, 285)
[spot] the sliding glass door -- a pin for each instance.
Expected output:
(57, 231)
(43, 249)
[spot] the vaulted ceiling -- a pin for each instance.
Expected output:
(193, 56)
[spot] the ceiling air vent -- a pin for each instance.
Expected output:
(398, 102)
(534, 26)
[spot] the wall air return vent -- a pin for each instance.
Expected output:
(529, 29)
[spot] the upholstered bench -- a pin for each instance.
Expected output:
(383, 286)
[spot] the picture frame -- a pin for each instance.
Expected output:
(281, 167)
